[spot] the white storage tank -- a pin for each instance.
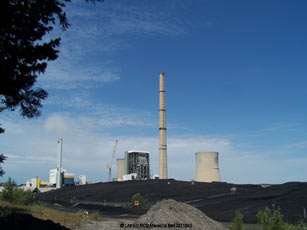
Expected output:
(207, 167)
(82, 179)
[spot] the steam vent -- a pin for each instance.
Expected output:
(207, 167)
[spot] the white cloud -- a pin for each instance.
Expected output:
(56, 124)
(65, 75)
(97, 31)
(79, 108)
(87, 152)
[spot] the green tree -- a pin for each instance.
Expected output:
(263, 218)
(2, 158)
(277, 222)
(271, 219)
(25, 51)
(11, 193)
(24, 54)
(237, 221)
(138, 197)
(8, 188)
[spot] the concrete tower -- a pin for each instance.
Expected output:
(162, 131)
(207, 167)
(59, 165)
(121, 169)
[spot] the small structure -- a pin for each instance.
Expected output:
(131, 176)
(155, 176)
(69, 179)
(33, 183)
(82, 180)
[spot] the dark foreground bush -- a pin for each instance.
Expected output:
(11, 193)
(26, 221)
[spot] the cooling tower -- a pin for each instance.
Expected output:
(207, 167)
(162, 131)
(121, 169)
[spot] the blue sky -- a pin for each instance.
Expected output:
(235, 74)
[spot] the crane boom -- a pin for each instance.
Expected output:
(109, 166)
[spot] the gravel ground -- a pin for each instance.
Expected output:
(113, 224)
(177, 215)
(164, 215)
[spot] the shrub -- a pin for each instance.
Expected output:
(277, 222)
(237, 222)
(263, 218)
(12, 194)
(138, 198)
(300, 225)
(143, 203)
(271, 219)
(95, 216)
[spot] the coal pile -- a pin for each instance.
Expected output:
(218, 200)
(17, 221)
(170, 214)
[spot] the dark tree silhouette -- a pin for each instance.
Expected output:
(23, 52)
(2, 158)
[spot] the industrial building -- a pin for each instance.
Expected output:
(53, 176)
(67, 179)
(34, 182)
(135, 166)
(58, 177)
(137, 162)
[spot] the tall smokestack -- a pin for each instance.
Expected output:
(59, 165)
(162, 131)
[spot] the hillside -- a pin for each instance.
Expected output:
(214, 199)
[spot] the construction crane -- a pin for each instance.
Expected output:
(109, 166)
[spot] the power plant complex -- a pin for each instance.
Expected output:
(58, 177)
(135, 165)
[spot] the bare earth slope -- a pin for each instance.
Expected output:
(214, 199)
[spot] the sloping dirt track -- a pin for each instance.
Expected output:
(214, 199)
